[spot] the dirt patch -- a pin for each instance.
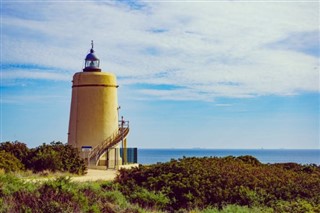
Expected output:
(94, 175)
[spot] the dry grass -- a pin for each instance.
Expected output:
(92, 175)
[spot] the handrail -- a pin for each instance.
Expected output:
(123, 123)
(96, 148)
(115, 138)
(109, 143)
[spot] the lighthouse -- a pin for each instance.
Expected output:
(94, 126)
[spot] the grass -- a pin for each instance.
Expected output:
(46, 175)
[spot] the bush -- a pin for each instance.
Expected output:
(51, 196)
(237, 209)
(18, 149)
(53, 157)
(9, 162)
(298, 205)
(249, 160)
(57, 157)
(61, 195)
(192, 183)
(116, 197)
(149, 199)
(10, 184)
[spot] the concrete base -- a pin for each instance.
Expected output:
(98, 167)
(128, 166)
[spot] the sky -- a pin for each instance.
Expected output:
(192, 74)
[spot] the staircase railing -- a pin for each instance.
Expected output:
(115, 138)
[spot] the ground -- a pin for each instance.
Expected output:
(94, 174)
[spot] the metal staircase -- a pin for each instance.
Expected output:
(111, 141)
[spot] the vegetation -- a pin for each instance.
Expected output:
(61, 195)
(207, 185)
(17, 149)
(9, 163)
(199, 183)
(56, 157)
(53, 157)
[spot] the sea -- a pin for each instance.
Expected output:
(300, 156)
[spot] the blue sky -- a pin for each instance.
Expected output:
(208, 74)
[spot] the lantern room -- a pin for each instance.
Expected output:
(92, 63)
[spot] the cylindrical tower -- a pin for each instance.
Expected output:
(93, 115)
(94, 105)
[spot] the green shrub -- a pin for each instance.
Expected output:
(46, 159)
(18, 149)
(9, 162)
(57, 156)
(298, 206)
(149, 199)
(51, 196)
(116, 197)
(10, 184)
(191, 183)
(60, 195)
(53, 157)
(238, 209)
(249, 159)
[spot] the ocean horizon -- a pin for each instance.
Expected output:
(301, 156)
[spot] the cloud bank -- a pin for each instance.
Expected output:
(184, 50)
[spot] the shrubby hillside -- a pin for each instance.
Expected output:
(207, 185)
(63, 195)
(191, 183)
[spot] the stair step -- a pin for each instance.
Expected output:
(97, 151)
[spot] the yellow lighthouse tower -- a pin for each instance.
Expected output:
(94, 124)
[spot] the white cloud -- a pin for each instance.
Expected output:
(210, 49)
(26, 99)
(23, 74)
